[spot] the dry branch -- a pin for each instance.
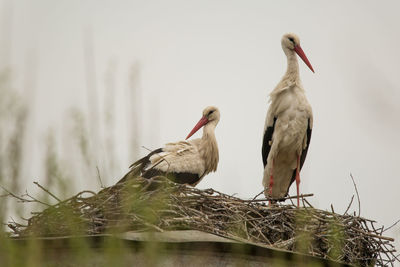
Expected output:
(47, 191)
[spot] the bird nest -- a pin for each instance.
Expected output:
(159, 205)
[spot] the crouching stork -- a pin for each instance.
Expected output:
(184, 162)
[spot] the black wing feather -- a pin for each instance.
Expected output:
(176, 177)
(136, 168)
(266, 147)
(145, 160)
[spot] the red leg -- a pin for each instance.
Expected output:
(271, 182)
(298, 181)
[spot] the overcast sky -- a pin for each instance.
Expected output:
(191, 54)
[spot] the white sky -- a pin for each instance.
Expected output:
(192, 54)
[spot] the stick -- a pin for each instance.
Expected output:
(98, 176)
(258, 195)
(376, 236)
(35, 199)
(358, 196)
(391, 226)
(47, 191)
(307, 202)
(267, 199)
(348, 207)
(15, 196)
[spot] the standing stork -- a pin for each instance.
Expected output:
(288, 126)
(184, 162)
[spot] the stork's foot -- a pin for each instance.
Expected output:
(267, 194)
(271, 202)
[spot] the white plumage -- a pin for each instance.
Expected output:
(178, 157)
(185, 162)
(288, 126)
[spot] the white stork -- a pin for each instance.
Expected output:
(288, 126)
(184, 162)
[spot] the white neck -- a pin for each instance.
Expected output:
(292, 71)
(208, 130)
(291, 76)
(209, 148)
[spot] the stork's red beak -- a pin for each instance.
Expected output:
(203, 121)
(301, 54)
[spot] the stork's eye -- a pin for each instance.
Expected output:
(209, 113)
(291, 39)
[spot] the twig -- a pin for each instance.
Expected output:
(308, 202)
(358, 196)
(99, 177)
(47, 191)
(376, 236)
(15, 196)
(348, 207)
(291, 201)
(391, 226)
(285, 198)
(258, 195)
(33, 199)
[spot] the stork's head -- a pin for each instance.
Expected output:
(210, 116)
(211, 113)
(291, 42)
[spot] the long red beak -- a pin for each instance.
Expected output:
(203, 121)
(301, 54)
